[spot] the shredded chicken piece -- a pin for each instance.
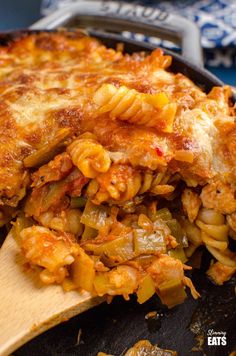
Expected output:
(165, 268)
(220, 197)
(53, 251)
(187, 281)
(145, 348)
(191, 203)
(55, 170)
(220, 273)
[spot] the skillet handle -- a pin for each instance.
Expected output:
(120, 16)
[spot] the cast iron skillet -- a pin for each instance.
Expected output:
(114, 328)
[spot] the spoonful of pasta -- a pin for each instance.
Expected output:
(27, 308)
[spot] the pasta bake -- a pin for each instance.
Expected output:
(114, 171)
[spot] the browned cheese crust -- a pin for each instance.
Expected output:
(48, 82)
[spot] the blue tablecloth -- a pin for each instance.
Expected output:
(16, 14)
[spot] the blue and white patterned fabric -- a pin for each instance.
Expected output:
(215, 18)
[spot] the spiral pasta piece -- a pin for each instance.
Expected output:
(214, 234)
(89, 156)
(231, 220)
(208, 240)
(156, 183)
(218, 232)
(123, 183)
(226, 257)
(209, 216)
(151, 110)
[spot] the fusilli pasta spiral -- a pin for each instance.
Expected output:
(214, 234)
(156, 183)
(123, 183)
(152, 110)
(89, 156)
(231, 220)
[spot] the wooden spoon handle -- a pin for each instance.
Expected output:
(27, 309)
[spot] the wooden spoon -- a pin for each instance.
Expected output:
(27, 309)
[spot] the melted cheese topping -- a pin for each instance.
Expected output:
(48, 81)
